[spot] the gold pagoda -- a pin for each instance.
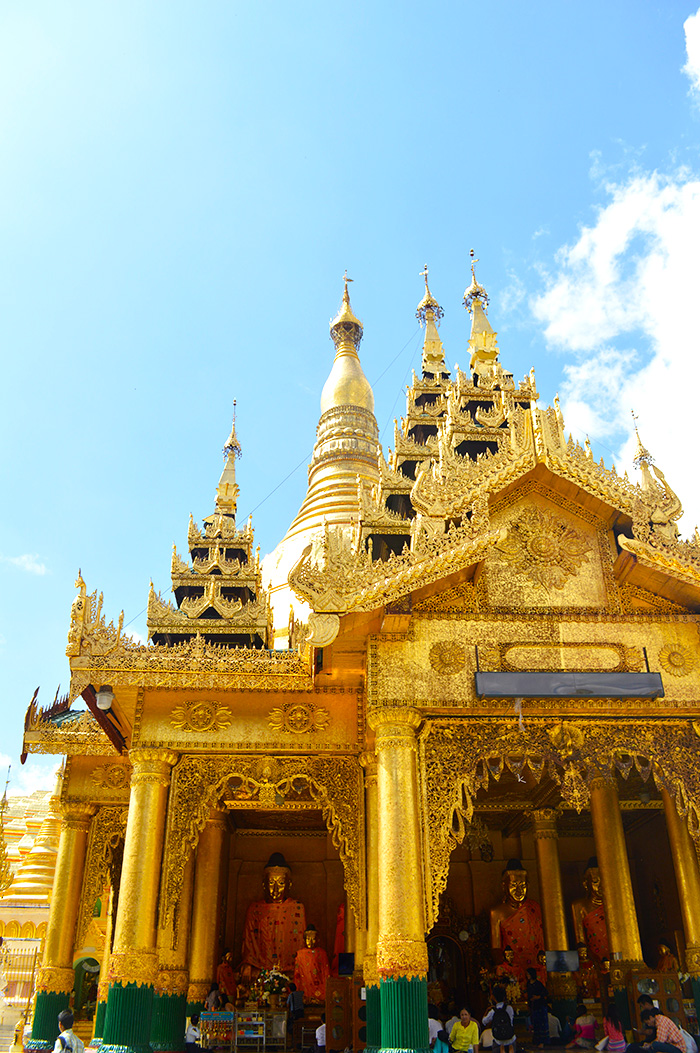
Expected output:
(459, 703)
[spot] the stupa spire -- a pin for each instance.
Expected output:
(484, 349)
(347, 385)
(227, 490)
(429, 313)
(642, 458)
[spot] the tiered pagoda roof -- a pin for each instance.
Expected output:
(219, 593)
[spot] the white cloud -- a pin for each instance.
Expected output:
(692, 46)
(623, 299)
(29, 562)
(26, 778)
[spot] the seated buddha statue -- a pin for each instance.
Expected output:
(589, 914)
(517, 921)
(274, 926)
(311, 968)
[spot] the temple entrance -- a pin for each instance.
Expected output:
(492, 913)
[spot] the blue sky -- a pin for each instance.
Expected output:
(181, 189)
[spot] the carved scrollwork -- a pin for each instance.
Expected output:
(544, 547)
(107, 832)
(335, 784)
(199, 716)
(298, 718)
(447, 657)
(457, 758)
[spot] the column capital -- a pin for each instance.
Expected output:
(602, 780)
(397, 716)
(172, 982)
(152, 765)
(216, 820)
(544, 822)
(76, 815)
(368, 761)
(198, 990)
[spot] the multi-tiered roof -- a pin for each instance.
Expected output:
(219, 592)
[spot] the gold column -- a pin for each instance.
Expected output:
(620, 912)
(685, 862)
(134, 958)
(401, 948)
(208, 894)
(56, 974)
(549, 870)
(369, 763)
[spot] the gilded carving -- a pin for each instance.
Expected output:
(298, 717)
(545, 548)
(447, 657)
(53, 980)
(401, 956)
(102, 861)
(334, 784)
(458, 757)
(676, 659)
(199, 716)
(110, 777)
(138, 967)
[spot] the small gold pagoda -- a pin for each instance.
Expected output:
(459, 703)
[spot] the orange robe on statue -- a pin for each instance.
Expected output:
(311, 970)
(522, 931)
(596, 932)
(273, 934)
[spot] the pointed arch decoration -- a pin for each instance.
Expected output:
(333, 783)
(107, 833)
(460, 757)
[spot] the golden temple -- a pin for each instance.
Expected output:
(459, 702)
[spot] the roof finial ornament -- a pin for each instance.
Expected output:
(641, 455)
(232, 445)
(346, 294)
(475, 291)
(346, 329)
(428, 303)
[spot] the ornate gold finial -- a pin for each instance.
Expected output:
(475, 291)
(346, 328)
(641, 455)
(428, 304)
(232, 445)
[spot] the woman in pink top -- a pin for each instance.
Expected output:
(584, 1030)
(617, 1043)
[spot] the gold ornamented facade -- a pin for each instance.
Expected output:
(476, 652)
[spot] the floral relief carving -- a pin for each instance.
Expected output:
(545, 548)
(447, 657)
(111, 777)
(200, 716)
(676, 659)
(296, 718)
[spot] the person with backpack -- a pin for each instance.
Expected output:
(500, 1020)
(67, 1041)
(465, 1034)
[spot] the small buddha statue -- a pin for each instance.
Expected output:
(506, 973)
(589, 914)
(667, 963)
(517, 921)
(587, 975)
(274, 926)
(541, 966)
(311, 968)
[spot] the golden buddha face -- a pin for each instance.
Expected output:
(583, 953)
(593, 885)
(277, 883)
(515, 886)
(310, 938)
(509, 955)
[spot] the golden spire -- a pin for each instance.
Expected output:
(429, 313)
(227, 490)
(347, 385)
(642, 458)
(483, 339)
